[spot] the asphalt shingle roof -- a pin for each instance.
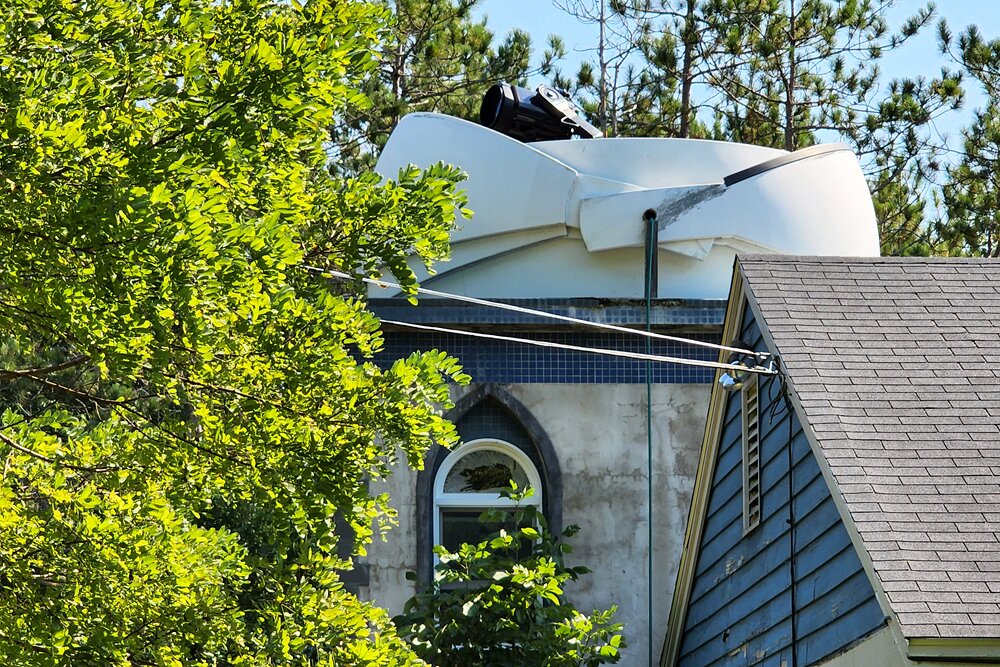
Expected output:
(896, 362)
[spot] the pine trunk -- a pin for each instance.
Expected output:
(687, 77)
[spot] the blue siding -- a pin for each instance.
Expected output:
(739, 611)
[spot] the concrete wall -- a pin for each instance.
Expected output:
(599, 434)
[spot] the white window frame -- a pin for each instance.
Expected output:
(481, 501)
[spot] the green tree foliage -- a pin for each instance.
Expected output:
(680, 46)
(436, 57)
(612, 90)
(972, 188)
(790, 72)
(809, 64)
(901, 154)
(185, 405)
(899, 195)
(500, 603)
(651, 99)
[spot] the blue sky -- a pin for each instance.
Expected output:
(919, 56)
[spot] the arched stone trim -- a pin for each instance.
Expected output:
(550, 471)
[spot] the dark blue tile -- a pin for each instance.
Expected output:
(509, 361)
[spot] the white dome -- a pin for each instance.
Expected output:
(564, 218)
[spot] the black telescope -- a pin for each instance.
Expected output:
(539, 115)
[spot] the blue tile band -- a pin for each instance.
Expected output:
(511, 362)
(622, 312)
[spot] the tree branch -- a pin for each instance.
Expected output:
(41, 457)
(38, 372)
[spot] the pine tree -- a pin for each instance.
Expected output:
(794, 72)
(972, 188)
(613, 93)
(811, 64)
(679, 51)
(901, 154)
(436, 57)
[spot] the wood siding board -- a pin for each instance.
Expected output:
(775, 430)
(762, 566)
(718, 536)
(729, 463)
(838, 633)
(720, 546)
(753, 623)
(817, 586)
(813, 556)
(750, 333)
(776, 462)
(727, 487)
(731, 414)
(769, 648)
(807, 499)
(746, 604)
(809, 527)
(832, 604)
(729, 459)
(776, 480)
(723, 509)
(768, 539)
(722, 518)
(820, 510)
(743, 606)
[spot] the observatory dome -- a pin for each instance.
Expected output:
(565, 218)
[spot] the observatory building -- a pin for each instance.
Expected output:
(634, 233)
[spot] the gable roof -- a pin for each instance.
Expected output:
(894, 364)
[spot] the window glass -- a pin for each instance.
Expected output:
(462, 526)
(483, 471)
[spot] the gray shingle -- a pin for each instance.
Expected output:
(895, 364)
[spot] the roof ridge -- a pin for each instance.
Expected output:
(839, 259)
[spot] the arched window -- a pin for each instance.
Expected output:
(470, 481)
(495, 429)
